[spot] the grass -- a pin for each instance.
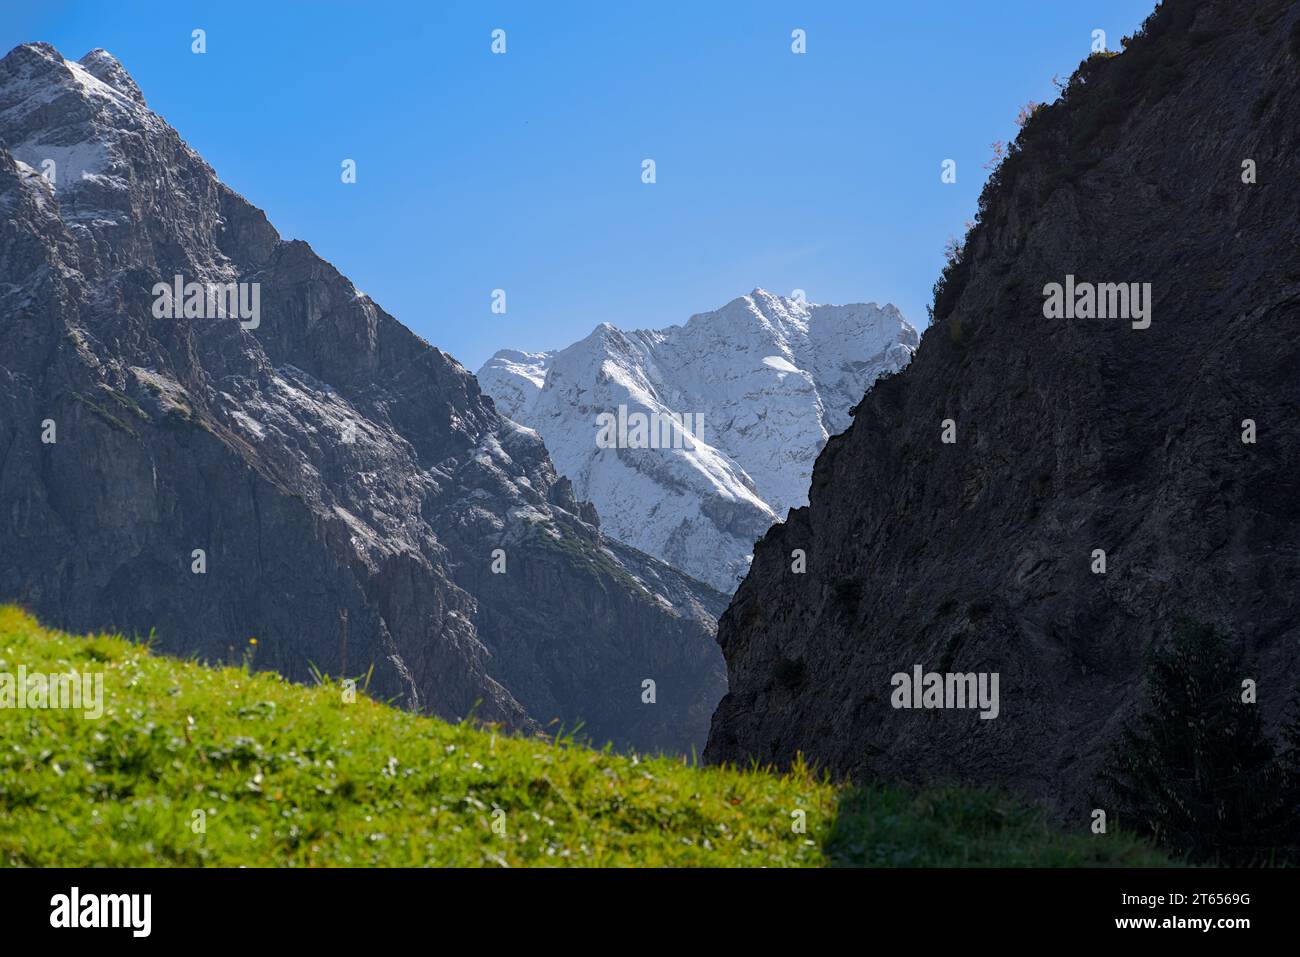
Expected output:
(108, 417)
(193, 765)
(587, 555)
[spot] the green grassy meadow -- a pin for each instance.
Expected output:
(191, 765)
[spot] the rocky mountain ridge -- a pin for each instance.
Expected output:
(318, 478)
(957, 524)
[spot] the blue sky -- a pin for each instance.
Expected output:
(522, 171)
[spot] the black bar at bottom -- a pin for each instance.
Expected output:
(335, 906)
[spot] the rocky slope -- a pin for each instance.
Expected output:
(346, 483)
(772, 377)
(1071, 435)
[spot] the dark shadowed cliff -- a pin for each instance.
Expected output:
(1071, 435)
(346, 483)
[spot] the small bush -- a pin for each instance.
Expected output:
(1027, 113)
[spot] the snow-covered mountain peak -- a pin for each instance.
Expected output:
(36, 74)
(768, 379)
(74, 121)
(106, 68)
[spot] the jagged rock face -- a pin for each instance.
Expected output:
(1072, 435)
(347, 482)
(771, 377)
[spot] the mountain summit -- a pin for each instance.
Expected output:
(208, 432)
(768, 378)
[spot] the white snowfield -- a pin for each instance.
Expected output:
(773, 377)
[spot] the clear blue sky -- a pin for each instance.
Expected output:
(476, 171)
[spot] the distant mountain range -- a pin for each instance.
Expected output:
(208, 433)
(769, 378)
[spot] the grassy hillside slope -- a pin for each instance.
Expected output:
(287, 775)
